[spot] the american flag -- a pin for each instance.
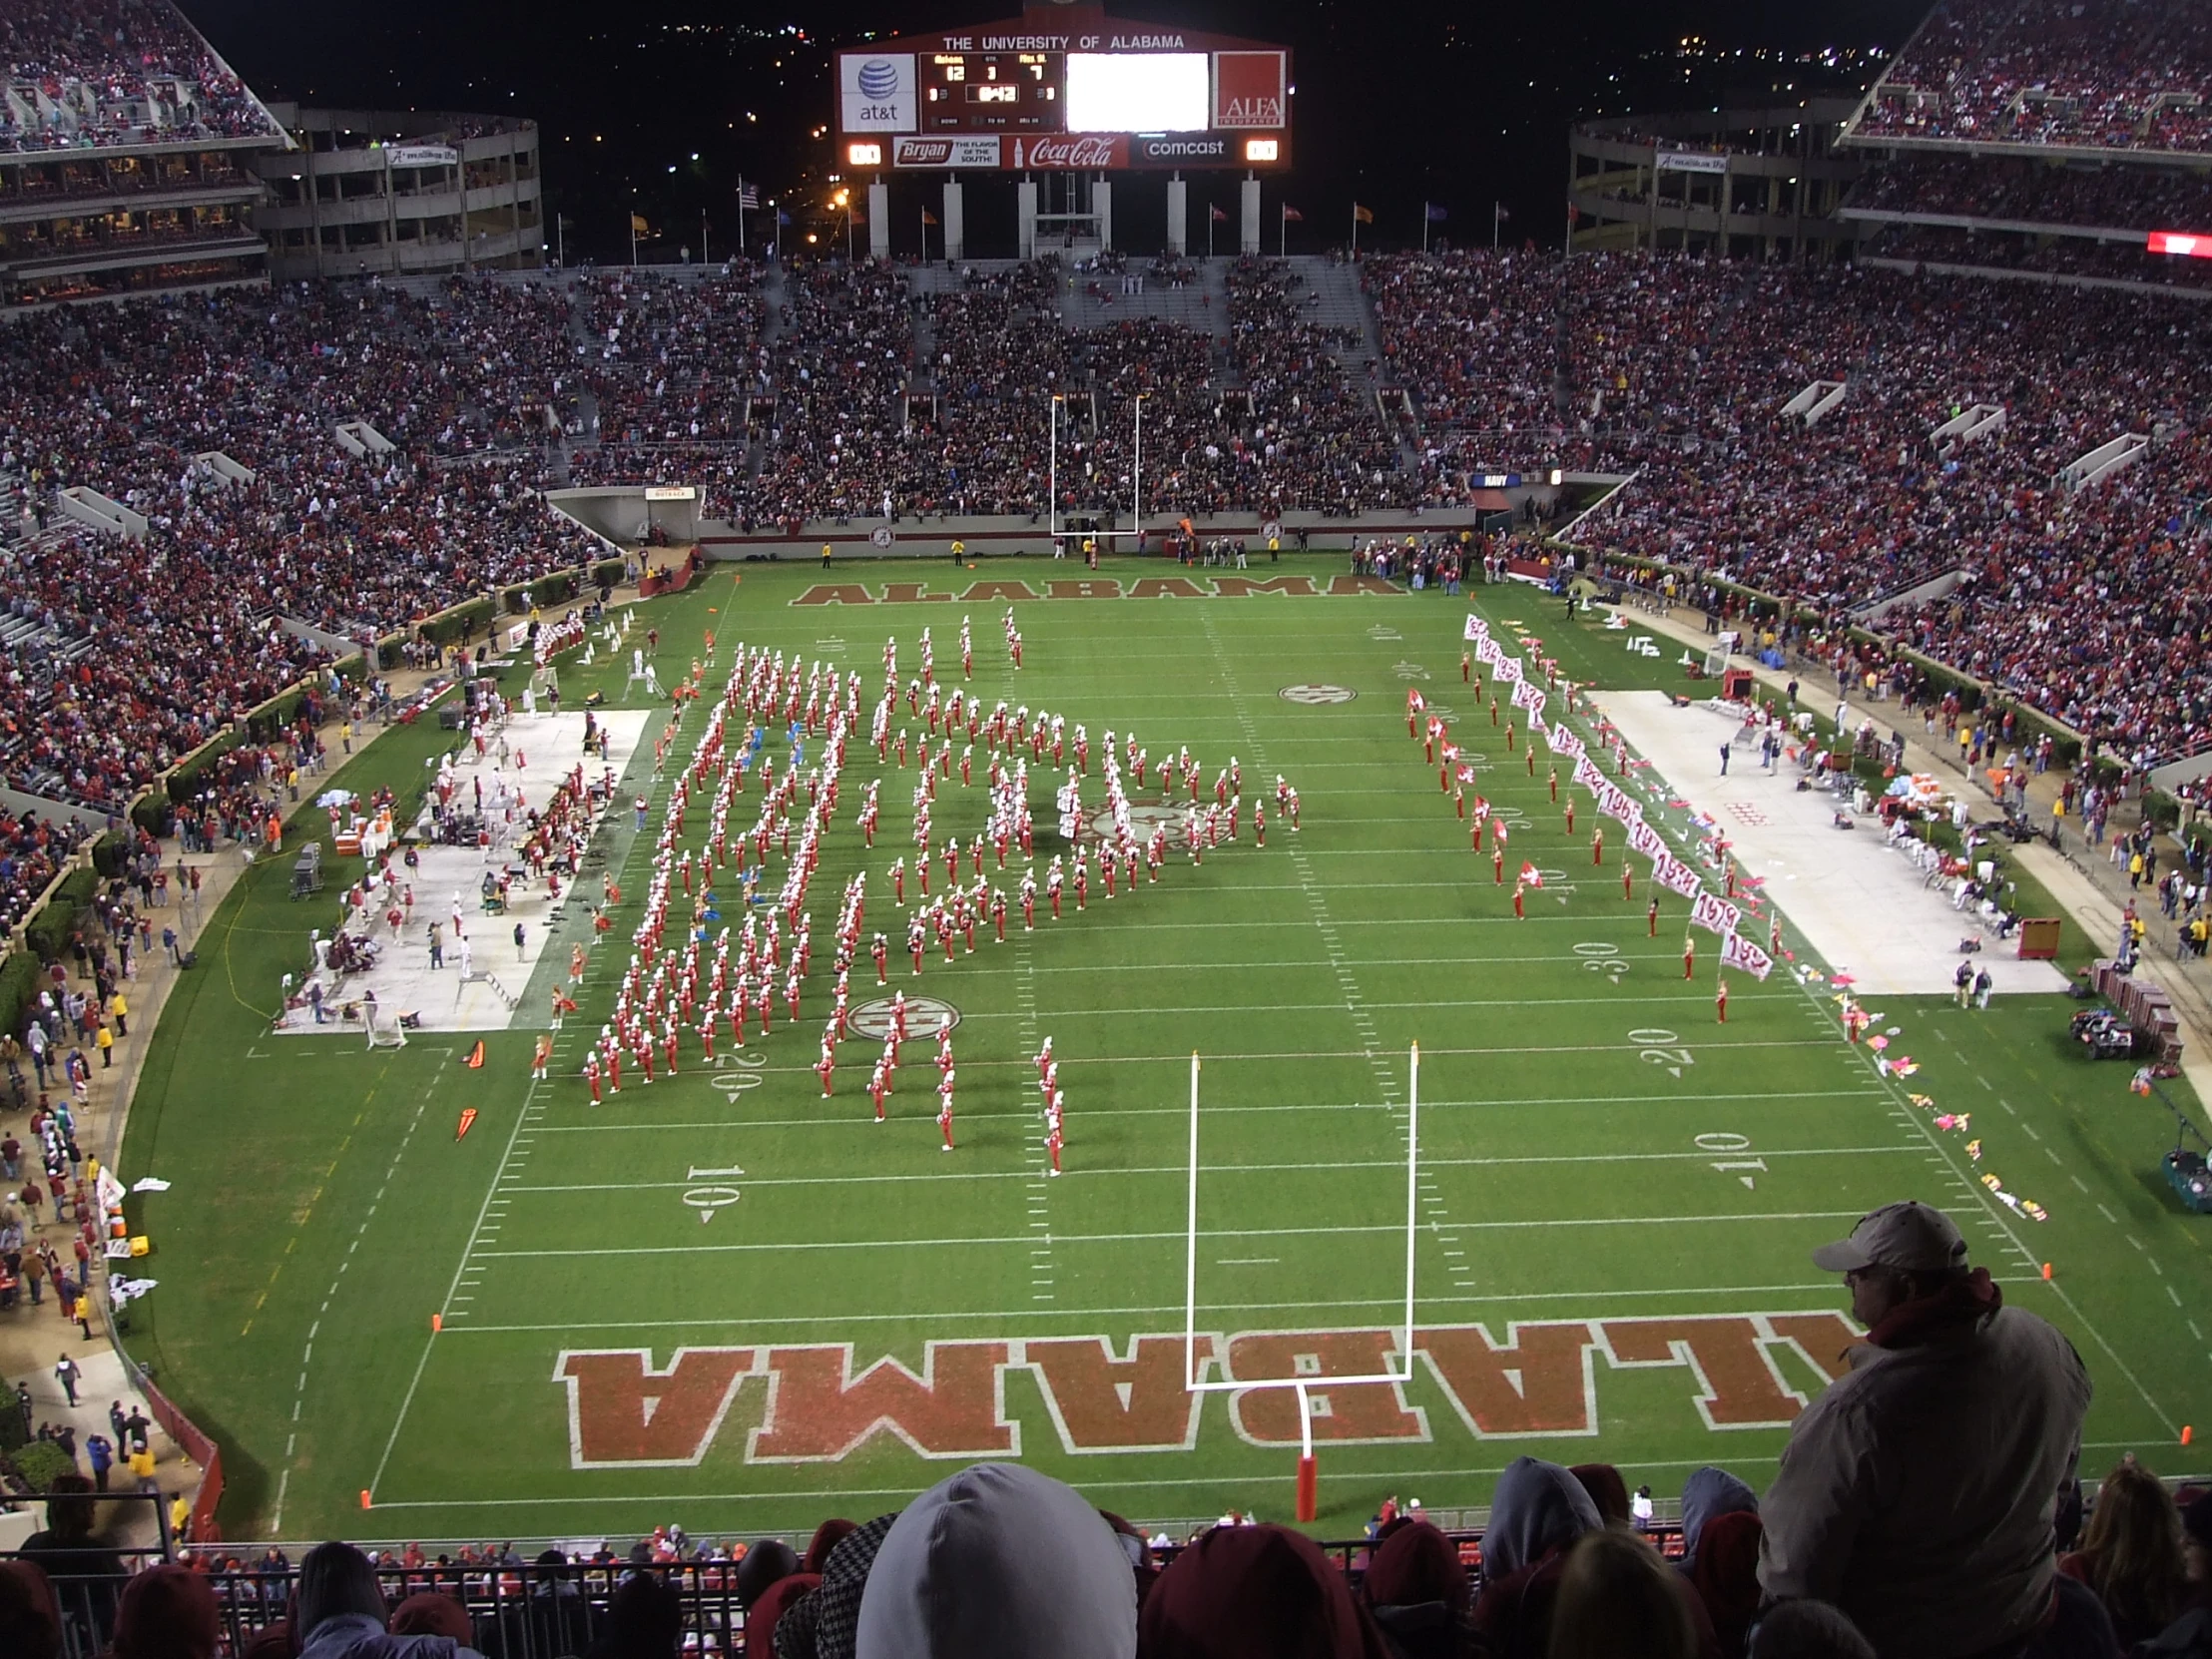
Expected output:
(749, 197)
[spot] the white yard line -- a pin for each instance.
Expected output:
(1535, 1225)
(842, 1181)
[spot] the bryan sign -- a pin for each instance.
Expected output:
(821, 1402)
(1094, 587)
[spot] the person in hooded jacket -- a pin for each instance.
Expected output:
(1417, 1591)
(1254, 1592)
(341, 1613)
(999, 1561)
(1707, 1496)
(1538, 1512)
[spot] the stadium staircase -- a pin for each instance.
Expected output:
(1203, 308)
(1341, 306)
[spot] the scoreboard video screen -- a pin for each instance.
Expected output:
(1066, 88)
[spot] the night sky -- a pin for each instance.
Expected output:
(1396, 103)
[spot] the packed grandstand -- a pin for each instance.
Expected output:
(801, 393)
(798, 395)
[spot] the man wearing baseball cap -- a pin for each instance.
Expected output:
(1918, 1493)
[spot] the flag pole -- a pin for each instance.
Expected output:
(1355, 229)
(1424, 224)
(741, 215)
(1494, 227)
(1282, 232)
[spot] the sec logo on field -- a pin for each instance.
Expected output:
(1316, 696)
(926, 1016)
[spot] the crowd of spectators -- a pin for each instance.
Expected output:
(1317, 442)
(860, 425)
(145, 649)
(2124, 198)
(1681, 374)
(842, 358)
(110, 72)
(2106, 73)
(129, 653)
(2123, 261)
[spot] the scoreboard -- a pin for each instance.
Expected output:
(974, 92)
(1064, 87)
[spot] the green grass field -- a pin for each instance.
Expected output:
(1615, 1201)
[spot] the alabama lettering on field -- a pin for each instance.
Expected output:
(816, 1405)
(1005, 592)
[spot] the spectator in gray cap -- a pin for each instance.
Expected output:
(1918, 1493)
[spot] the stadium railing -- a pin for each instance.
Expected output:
(87, 1600)
(521, 1610)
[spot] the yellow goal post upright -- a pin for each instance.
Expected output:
(1194, 1383)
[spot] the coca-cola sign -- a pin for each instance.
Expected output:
(1091, 149)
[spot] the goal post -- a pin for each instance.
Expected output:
(1193, 1382)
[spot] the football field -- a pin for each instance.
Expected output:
(726, 1300)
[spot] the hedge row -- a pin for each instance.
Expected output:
(19, 988)
(46, 935)
(37, 1463)
(110, 852)
(464, 620)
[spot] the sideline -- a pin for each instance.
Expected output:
(2096, 912)
(28, 1346)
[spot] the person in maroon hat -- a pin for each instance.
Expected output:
(166, 1613)
(1917, 1493)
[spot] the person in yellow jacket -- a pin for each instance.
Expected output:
(122, 1012)
(104, 1040)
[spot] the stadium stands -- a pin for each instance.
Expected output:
(2079, 258)
(130, 652)
(2031, 191)
(801, 396)
(2087, 74)
(1560, 1552)
(83, 74)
